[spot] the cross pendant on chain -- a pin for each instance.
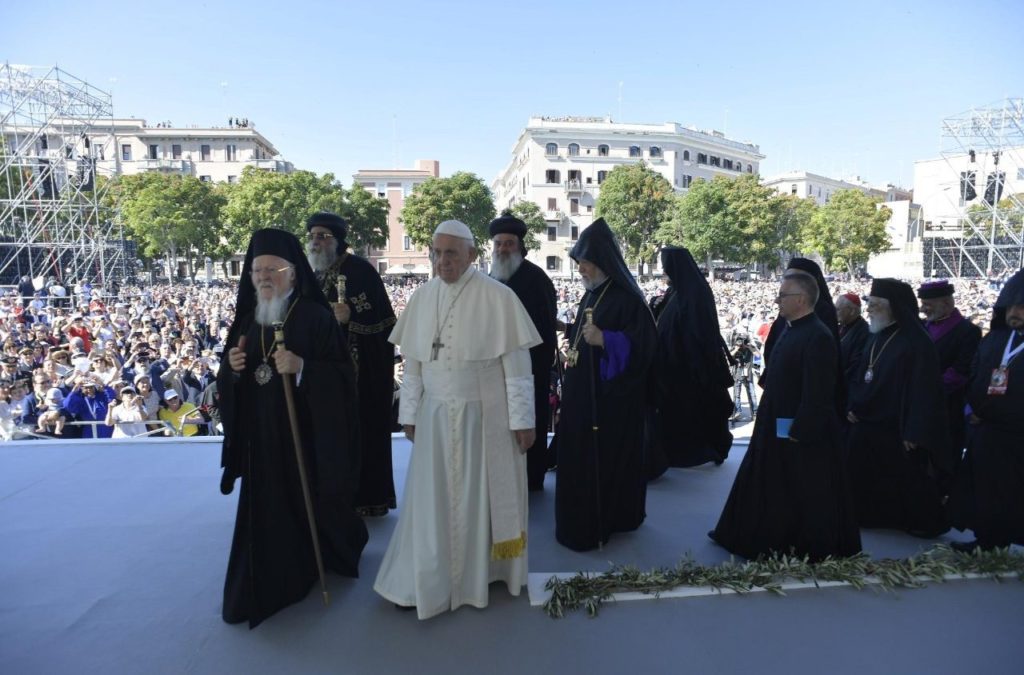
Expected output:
(435, 347)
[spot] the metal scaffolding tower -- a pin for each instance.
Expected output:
(56, 132)
(988, 240)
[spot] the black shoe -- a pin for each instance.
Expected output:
(928, 534)
(405, 608)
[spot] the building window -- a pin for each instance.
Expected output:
(750, 168)
(574, 206)
(575, 178)
(44, 142)
(175, 152)
(126, 153)
(574, 232)
(232, 179)
(727, 164)
(590, 208)
(686, 155)
(552, 176)
(154, 152)
(551, 149)
(206, 179)
(601, 175)
(655, 151)
(574, 150)
(687, 180)
(602, 150)
(554, 263)
(236, 268)
(232, 153)
(589, 180)
(204, 153)
(810, 191)
(1020, 174)
(552, 204)
(714, 161)
(792, 189)
(702, 158)
(552, 233)
(634, 151)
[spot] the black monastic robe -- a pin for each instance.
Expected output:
(691, 405)
(895, 487)
(601, 487)
(989, 493)
(956, 350)
(852, 339)
(793, 495)
(535, 290)
(366, 335)
(271, 564)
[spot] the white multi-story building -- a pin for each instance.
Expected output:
(399, 256)
(559, 163)
(130, 146)
(821, 188)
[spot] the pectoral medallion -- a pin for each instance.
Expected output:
(571, 357)
(264, 373)
(869, 375)
(1000, 380)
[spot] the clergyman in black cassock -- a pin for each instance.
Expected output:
(791, 493)
(853, 335)
(272, 563)
(956, 342)
(365, 321)
(601, 487)
(989, 492)
(898, 439)
(690, 407)
(535, 290)
(824, 308)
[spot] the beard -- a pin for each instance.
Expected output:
(504, 266)
(591, 284)
(878, 323)
(269, 312)
(322, 259)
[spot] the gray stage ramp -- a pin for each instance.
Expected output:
(113, 555)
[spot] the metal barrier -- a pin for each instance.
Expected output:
(163, 427)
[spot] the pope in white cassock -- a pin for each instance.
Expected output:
(467, 405)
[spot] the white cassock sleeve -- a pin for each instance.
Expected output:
(519, 388)
(410, 393)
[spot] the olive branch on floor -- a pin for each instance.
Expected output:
(936, 565)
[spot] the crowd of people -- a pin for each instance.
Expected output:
(858, 423)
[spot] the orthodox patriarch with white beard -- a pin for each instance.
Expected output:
(272, 561)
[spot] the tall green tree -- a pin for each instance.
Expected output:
(848, 230)
(170, 214)
(530, 213)
(462, 196)
(263, 199)
(792, 217)
(635, 201)
(730, 219)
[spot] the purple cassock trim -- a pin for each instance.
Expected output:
(616, 354)
(952, 380)
(937, 329)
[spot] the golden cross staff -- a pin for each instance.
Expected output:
(340, 287)
(293, 420)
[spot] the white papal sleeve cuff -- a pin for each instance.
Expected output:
(520, 402)
(409, 398)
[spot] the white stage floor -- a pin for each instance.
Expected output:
(113, 555)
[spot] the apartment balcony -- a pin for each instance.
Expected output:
(575, 187)
(272, 165)
(166, 165)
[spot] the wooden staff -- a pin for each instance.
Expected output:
(293, 419)
(589, 312)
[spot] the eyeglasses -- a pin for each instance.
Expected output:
(780, 296)
(320, 236)
(259, 271)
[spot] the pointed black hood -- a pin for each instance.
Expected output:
(902, 300)
(1012, 294)
(692, 290)
(597, 245)
(824, 308)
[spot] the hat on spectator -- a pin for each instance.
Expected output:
(170, 394)
(853, 298)
(507, 224)
(54, 395)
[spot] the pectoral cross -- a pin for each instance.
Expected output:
(435, 347)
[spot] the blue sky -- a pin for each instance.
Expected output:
(835, 88)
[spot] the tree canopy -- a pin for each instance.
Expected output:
(462, 196)
(635, 201)
(530, 213)
(848, 230)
